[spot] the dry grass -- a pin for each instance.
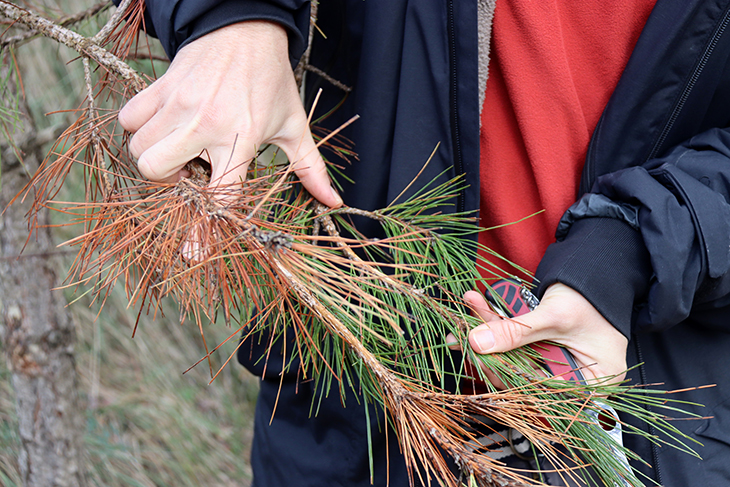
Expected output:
(147, 424)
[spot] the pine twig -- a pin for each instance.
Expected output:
(327, 77)
(299, 70)
(304, 62)
(71, 39)
(396, 285)
(97, 153)
(101, 36)
(65, 21)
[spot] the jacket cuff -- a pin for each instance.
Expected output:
(606, 261)
(230, 12)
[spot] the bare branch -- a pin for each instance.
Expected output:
(299, 71)
(304, 62)
(117, 17)
(327, 77)
(75, 41)
(97, 151)
(63, 22)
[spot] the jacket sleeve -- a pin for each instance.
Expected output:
(651, 244)
(177, 22)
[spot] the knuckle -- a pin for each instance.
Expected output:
(129, 115)
(206, 119)
(513, 333)
(213, 124)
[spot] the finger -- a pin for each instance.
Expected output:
(172, 179)
(163, 161)
(476, 301)
(481, 338)
(311, 169)
(229, 165)
(503, 335)
(153, 131)
(452, 342)
(197, 244)
(141, 108)
(230, 162)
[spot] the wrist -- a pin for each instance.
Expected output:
(247, 38)
(202, 18)
(605, 260)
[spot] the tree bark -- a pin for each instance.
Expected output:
(38, 336)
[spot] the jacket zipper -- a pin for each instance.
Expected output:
(588, 176)
(652, 432)
(690, 85)
(453, 99)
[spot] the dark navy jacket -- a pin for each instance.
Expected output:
(647, 242)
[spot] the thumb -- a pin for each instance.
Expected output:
(311, 169)
(501, 335)
(497, 334)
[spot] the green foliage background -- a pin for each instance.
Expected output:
(147, 424)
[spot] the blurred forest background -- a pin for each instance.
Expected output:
(146, 423)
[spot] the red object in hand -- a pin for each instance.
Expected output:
(513, 300)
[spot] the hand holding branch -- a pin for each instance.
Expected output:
(223, 97)
(564, 317)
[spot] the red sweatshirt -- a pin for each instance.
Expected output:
(553, 68)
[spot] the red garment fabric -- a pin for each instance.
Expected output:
(553, 67)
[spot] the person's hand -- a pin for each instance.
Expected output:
(563, 316)
(223, 97)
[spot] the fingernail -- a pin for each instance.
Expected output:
(482, 339)
(336, 196)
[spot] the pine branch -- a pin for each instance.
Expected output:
(268, 256)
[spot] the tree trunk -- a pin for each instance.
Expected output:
(38, 336)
